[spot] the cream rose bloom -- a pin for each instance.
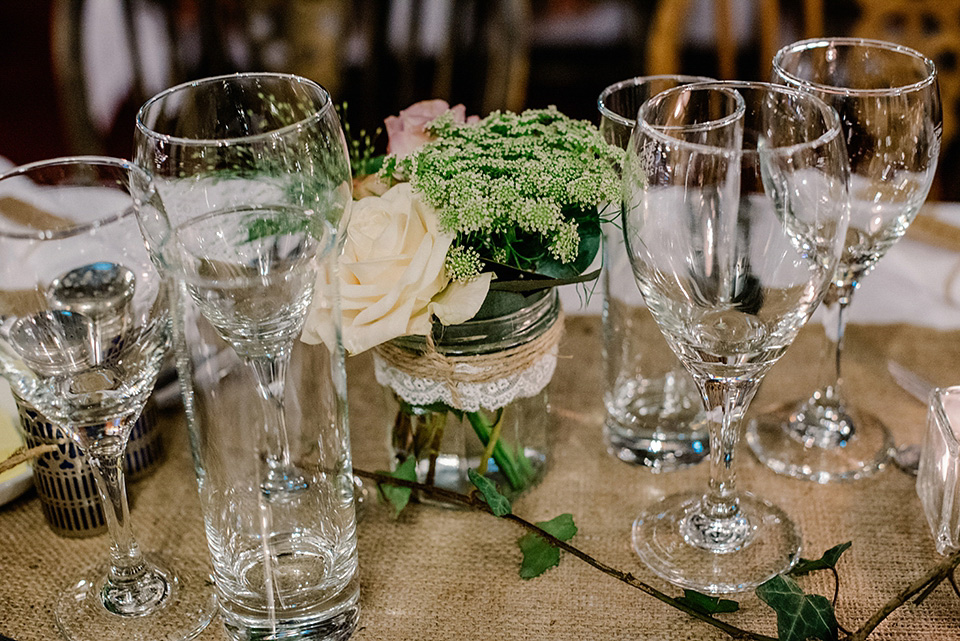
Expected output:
(391, 275)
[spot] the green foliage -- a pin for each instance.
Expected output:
(361, 146)
(262, 227)
(827, 562)
(520, 189)
(538, 554)
(800, 616)
(499, 504)
(397, 496)
(706, 604)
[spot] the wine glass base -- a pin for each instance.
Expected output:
(863, 454)
(771, 546)
(187, 609)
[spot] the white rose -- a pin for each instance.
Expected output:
(392, 275)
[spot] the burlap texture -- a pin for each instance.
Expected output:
(447, 574)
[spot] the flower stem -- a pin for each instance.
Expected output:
(438, 423)
(494, 439)
(502, 457)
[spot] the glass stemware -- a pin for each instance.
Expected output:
(255, 176)
(267, 143)
(889, 105)
(653, 413)
(734, 214)
(84, 327)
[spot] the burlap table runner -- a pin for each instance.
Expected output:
(446, 574)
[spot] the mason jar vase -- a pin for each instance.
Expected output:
(475, 396)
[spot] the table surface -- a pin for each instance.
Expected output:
(438, 573)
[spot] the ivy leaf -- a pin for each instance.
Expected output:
(498, 503)
(706, 604)
(826, 562)
(395, 495)
(538, 554)
(800, 616)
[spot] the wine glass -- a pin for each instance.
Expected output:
(84, 327)
(653, 410)
(267, 152)
(255, 176)
(889, 105)
(734, 214)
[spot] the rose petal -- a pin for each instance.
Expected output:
(459, 302)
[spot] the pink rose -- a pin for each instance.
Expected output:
(406, 132)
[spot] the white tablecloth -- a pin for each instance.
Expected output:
(914, 283)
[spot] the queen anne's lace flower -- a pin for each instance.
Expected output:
(512, 187)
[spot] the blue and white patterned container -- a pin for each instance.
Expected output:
(63, 479)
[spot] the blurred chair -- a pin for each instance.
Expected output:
(474, 52)
(111, 55)
(721, 29)
(930, 26)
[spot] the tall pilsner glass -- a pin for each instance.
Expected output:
(735, 208)
(889, 105)
(255, 173)
(84, 327)
(654, 416)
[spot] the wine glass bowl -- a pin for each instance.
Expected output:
(888, 101)
(734, 217)
(84, 329)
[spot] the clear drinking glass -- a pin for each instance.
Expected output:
(734, 215)
(938, 475)
(889, 105)
(84, 326)
(654, 415)
(257, 176)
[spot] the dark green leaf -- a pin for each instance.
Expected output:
(826, 562)
(395, 495)
(589, 246)
(538, 554)
(800, 616)
(530, 285)
(706, 604)
(498, 503)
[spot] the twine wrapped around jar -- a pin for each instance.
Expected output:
(470, 381)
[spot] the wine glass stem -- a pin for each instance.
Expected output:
(835, 322)
(131, 587)
(271, 375)
(726, 400)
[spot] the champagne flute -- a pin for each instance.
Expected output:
(889, 105)
(734, 215)
(653, 416)
(84, 327)
(267, 153)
